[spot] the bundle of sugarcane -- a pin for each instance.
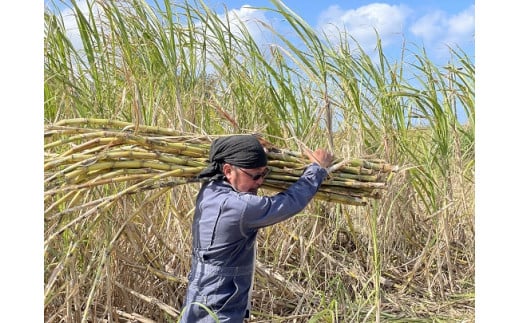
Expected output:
(81, 154)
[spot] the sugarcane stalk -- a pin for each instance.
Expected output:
(81, 154)
(115, 124)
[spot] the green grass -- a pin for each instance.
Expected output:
(408, 257)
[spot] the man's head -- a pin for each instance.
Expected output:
(240, 159)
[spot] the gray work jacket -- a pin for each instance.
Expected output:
(224, 232)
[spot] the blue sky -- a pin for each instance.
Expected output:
(432, 24)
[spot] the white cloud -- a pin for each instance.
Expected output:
(247, 18)
(438, 29)
(250, 17)
(430, 26)
(93, 12)
(461, 27)
(70, 23)
(363, 22)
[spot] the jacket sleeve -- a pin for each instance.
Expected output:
(262, 211)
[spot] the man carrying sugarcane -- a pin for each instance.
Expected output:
(227, 217)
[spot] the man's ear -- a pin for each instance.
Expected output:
(226, 169)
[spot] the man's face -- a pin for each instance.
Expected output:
(245, 179)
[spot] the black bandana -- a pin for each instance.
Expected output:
(239, 150)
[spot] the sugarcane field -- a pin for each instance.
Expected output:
(129, 122)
